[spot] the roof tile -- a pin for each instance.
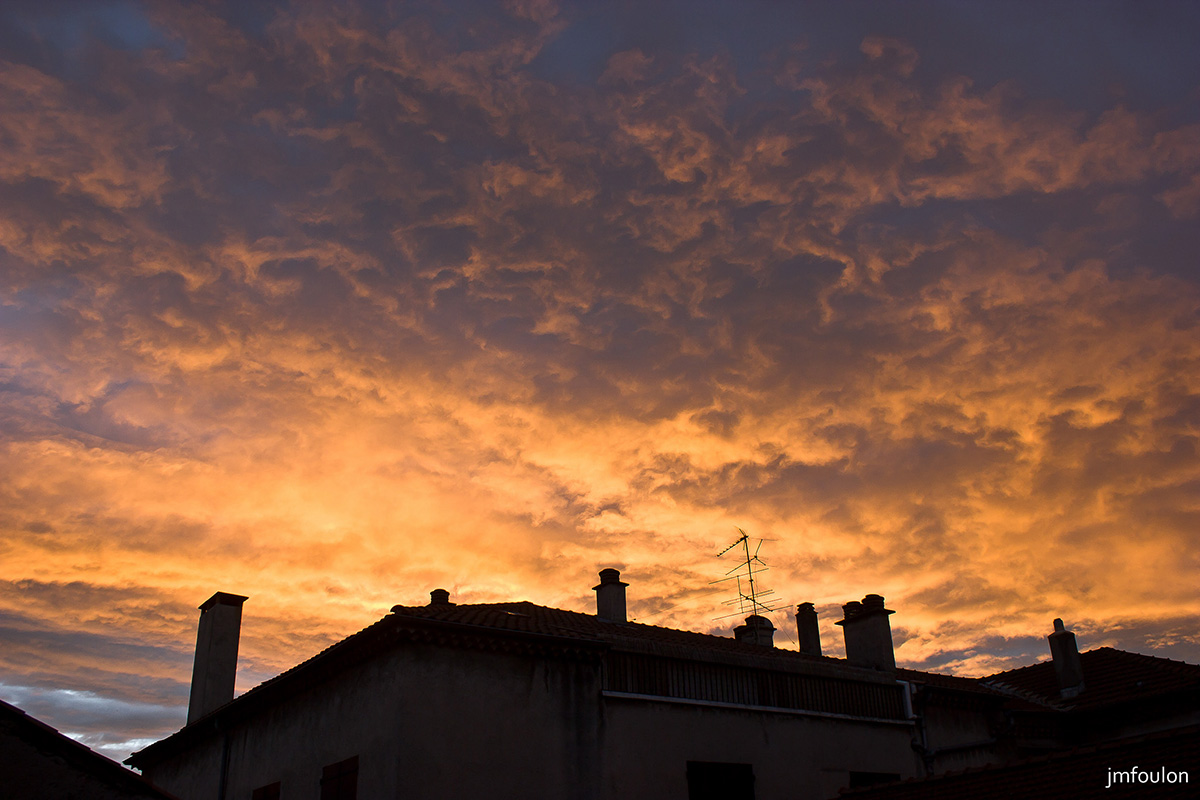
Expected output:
(1110, 677)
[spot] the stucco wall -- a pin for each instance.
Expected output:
(194, 776)
(425, 722)
(950, 733)
(809, 757)
(429, 721)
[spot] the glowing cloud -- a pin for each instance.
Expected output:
(330, 308)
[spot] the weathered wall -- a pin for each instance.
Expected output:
(961, 738)
(507, 726)
(195, 776)
(429, 721)
(425, 722)
(810, 757)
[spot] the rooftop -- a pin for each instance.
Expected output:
(522, 627)
(34, 751)
(1111, 677)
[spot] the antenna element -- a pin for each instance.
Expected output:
(746, 569)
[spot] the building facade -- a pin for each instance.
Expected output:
(517, 700)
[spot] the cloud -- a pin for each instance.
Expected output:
(335, 307)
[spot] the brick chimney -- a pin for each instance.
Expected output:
(439, 597)
(807, 629)
(1067, 665)
(215, 667)
(868, 633)
(757, 630)
(610, 596)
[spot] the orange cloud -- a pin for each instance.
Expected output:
(344, 309)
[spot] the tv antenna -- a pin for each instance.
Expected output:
(749, 591)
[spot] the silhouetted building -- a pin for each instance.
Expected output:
(518, 700)
(1102, 723)
(37, 762)
(1109, 694)
(1157, 765)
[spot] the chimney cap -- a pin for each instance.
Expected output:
(610, 576)
(1058, 626)
(223, 599)
(439, 597)
(870, 606)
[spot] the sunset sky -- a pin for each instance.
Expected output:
(332, 308)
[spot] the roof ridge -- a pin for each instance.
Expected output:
(1176, 664)
(1026, 695)
(1025, 668)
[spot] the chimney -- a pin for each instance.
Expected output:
(808, 630)
(610, 596)
(868, 633)
(439, 597)
(216, 654)
(1067, 664)
(757, 630)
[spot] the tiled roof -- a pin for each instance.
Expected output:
(532, 618)
(1076, 774)
(952, 682)
(1110, 677)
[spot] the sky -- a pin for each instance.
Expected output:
(331, 305)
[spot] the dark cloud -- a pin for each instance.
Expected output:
(322, 305)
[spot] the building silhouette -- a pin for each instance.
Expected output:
(517, 700)
(37, 762)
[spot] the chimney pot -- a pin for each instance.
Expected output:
(757, 630)
(439, 597)
(215, 665)
(808, 630)
(868, 633)
(610, 596)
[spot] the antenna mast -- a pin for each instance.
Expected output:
(750, 565)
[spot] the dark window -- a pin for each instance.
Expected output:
(340, 781)
(861, 779)
(268, 792)
(711, 780)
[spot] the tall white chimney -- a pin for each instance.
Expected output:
(215, 667)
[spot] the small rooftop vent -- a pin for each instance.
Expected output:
(757, 630)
